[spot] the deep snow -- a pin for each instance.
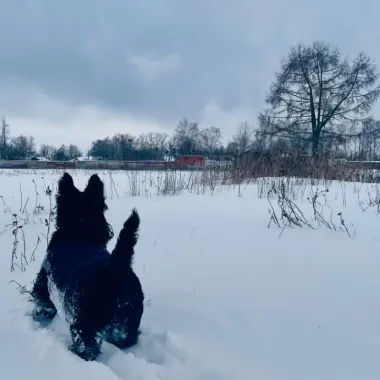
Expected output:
(227, 298)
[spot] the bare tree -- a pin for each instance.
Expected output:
(46, 151)
(122, 144)
(4, 138)
(186, 137)
(243, 138)
(316, 92)
(232, 148)
(152, 145)
(161, 142)
(210, 140)
(368, 138)
(21, 147)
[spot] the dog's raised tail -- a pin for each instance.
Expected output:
(124, 250)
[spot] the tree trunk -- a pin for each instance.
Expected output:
(314, 144)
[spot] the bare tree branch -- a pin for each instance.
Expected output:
(316, 92)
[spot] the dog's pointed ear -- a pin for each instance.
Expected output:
(95, 189)
(66, 184)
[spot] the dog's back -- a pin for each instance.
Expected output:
(95, 291)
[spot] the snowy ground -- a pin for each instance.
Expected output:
(227, 297)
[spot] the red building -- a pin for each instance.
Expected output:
(190, 160)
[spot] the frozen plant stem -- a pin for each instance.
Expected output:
(48, 221)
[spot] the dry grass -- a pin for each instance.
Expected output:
(285, 195)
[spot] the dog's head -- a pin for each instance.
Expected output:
(80, 214)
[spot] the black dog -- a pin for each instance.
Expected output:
(97, 293)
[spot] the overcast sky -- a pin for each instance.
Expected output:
(77, 70)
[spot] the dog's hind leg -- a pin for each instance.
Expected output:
(86, 344)
(44, 309)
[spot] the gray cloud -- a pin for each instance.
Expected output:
(164, 59)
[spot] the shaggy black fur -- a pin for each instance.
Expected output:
(97, 293)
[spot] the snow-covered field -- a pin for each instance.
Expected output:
(227, 297)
